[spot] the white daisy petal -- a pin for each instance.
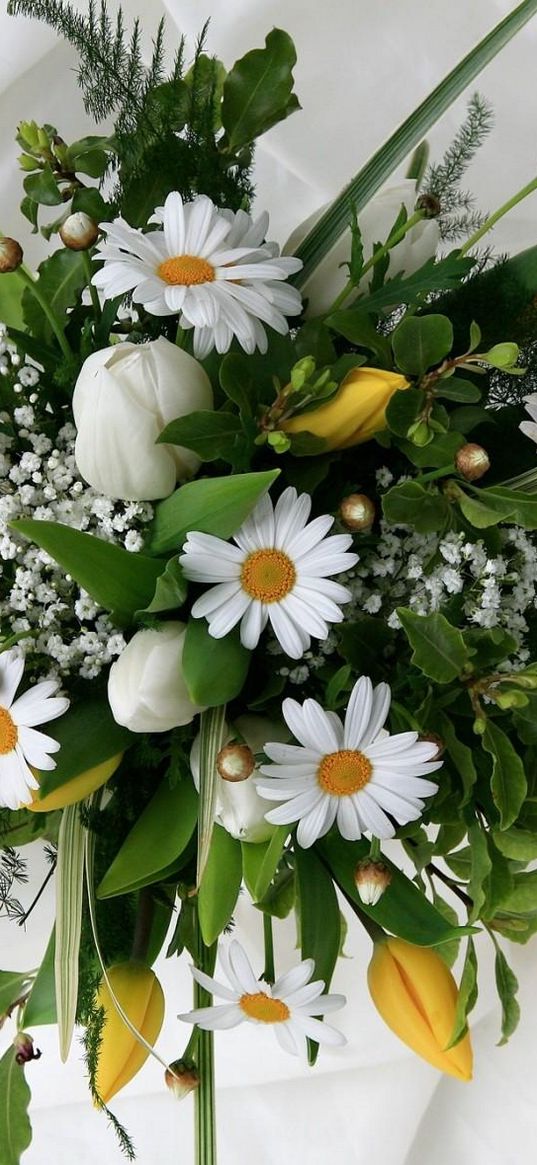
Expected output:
(11, 669)
(217, 597)
(304, 540)
(20, 745)
(319, 727)
(212, 985)
(290, 754)
(347, 819)
(253, 623)
(296, 806)
(316, 823)
(375, 819)
(36, 748)
(379, 712)
(358, 712)
(294, 640)
(322, 1033)
(294, 979)
(241, 967)
(285, 1036)
(219, 1018)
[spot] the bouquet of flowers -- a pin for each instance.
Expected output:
(268, 588)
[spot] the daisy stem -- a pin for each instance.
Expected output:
(269, 974)
(374, 851)
(498, 214)
(33, 287)
(86, 259)
(180, 337)
(205, 1093)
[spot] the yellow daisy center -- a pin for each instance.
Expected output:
(185, 270)
(8, 732)
(268, 575)
(263, 1008)
(345, 772)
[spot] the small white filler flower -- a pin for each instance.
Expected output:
(291, 1005)
(353, 774)
(277, 571)
(208, 266)
(20, 744)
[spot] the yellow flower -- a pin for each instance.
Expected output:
(121, 1055)
(77, 789)
(416, 995)
(355, 413)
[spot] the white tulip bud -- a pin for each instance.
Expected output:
(146, 688)
(124, 397)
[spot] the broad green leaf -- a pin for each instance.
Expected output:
(516, 504)
(214, 670)
(281, 894)
(118, 580)
(12, 985)
(408, 135)
(403, 910)
(499, 884)
(41, 187)
(258, 91)
(439, 650)
(91, 202)
(404, 407)
(507, 985)
(460, 755)
(508, 783)
(41, 1005)
(411, 504)
(259, 862)
(420, 342)
(363, 644)
(238, 383)
(488, 646)
(467, 995)
(525, 720)
(319, 919)
(61, 280)
(358, 328)
(480, 867)
(69, 896)
(479, 514)
(210, 435)
(15, 1128)
(88, 735)
(441, 451)
(220, 885)
(449, 952)
(523, 896)
(170, 591)
(455, 388)
(520, 845)
(156, 840)
(11, 290)
(216, 505)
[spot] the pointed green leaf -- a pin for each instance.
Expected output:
(61, 280)
(155, 842)
(12, 984)
(507, 985)
(15, 1128)
(480, 867)
(260, 861)
(220, 885)
(411, 504)
(214, 669)
(87, 735)
(319, 920)
(439, 649)
(520, 845)
(508, 784)
(69, 894)
(212, 727)
(215, 505)
(41, 1005)
(211, 435)
(258, 91)
(467, 996)
(460, 755)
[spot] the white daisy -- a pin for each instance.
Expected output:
(209, 266)
(354, 774)
(277, 571)
(20, 745)
(290, 1005)
(529, 428)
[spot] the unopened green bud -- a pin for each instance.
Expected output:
(502, 355)
(279, 441)
(479, 725)
(526, 680)
(302, 371)
(420, 434)
(28, 134)
(43, 139)
(507, 700)
(26, 162)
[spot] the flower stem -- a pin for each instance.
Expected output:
(205, 1093)
(33, 286)
(379, 254)
(269, 974)
(374, 850)
(498, 214)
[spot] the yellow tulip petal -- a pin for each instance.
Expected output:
(355, 413)
(76, 789)
(121, 1055)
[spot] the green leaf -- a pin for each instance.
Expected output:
(91, 202)
(441, 451)
(439, 650)
(508, 782)
(512, 503)
(15, 1128)
(499, 884)
(523, 896)
(69, 898)
(170, 591)
(87, 735)
(11, 988)
(220, 885)
(237, 381)
(408, 135)
(480, 867)
(258, 92)
(479, 514)
(420, 342)
(363, 644)
(41, 187)
(41, 1005)
(210, 435)
(216, 505)
(260, 862)
(525, 720)
(433, 276)
(211, 738)
(155, 842)
(281, 894)
(214, 670)
(520, 845)
(358, 328)
(62, 278)
(403, 910)
(11, 290)
(460, 755)
(455, 388)
(320, 920)
(507, 985)
(467, 995)
(118, 580)
(410, 504)
(404, 407)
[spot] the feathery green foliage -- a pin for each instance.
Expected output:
(459, 217)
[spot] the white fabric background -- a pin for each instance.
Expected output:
(363, 65)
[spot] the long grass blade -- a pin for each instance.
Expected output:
(69, 892)
(211, 733)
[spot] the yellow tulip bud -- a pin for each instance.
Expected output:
(416, 995)
(77, 789)
(355, 413)
(121, 1055)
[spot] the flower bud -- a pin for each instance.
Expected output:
(429, 204)
(27, 163)
(10, 255)
(420, 434)
(181, 1078)
(355, 413)
(371, 879)
(472, 462)
(235, 762)
(502, 355)
(357, 512)
(79, 232)
(24, 1048)
(77, 789)
(416, 996)
(146, 687)
(120, 1054)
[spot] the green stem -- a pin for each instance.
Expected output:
(205, 1093)
(498, 214)
(379, 254)
(33, 286)
(86, 259)
(269, 974)
(434, 474)
(374, 849)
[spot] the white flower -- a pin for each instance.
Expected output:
(146, 688)
(20, 744)
(210, 267)
(376, 220)
(529, 428)
(277, 571)
(290, 1005)
(354, 774)
(123, 399)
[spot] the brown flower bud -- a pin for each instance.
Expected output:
(429, 204)
(472, 461)
(181, 1078)
(371, 879)
(235, 762)
(24, 1048)
(10, 255)
(357, 512)
(79, 231)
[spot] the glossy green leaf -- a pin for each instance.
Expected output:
(41, 187)
(460, 755)
(62, 278)
(512, 503)
(359, 329)
(404, 407)
(508, 784)
(411, 504)
(259, 862)
(155, 842)
(258, 91)
(170, 590)
(210, 435)
(455, 388)
(15, 1128)
(480, 867)
(280, 897)
(364, 643)
(220, 885)
(520, 845)
(479, 514)
(216, 505)
(420, 342)
(214, 670)
(523, 896)
(440, 452)
(88, 735)
(212, 729)
(319, 920)
(439, 650)
(467, 996)
(238, 382)
(11, 290)
(507, 986)
(12, 985)
(41, 1005)
(118, 580)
